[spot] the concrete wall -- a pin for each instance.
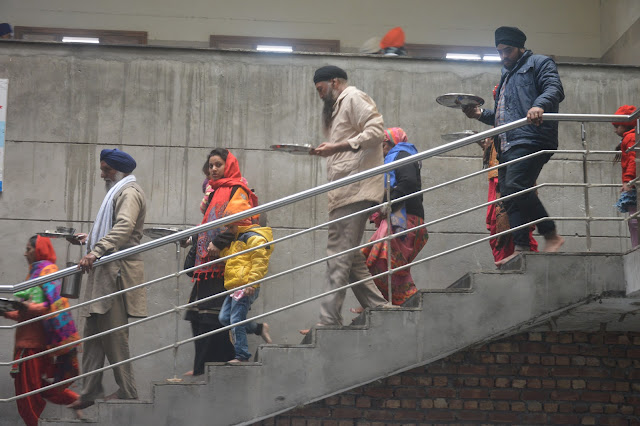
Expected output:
(570, 28)
(625, 49)
(616, 17)
(168, 107)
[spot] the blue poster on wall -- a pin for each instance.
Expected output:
(4, 83)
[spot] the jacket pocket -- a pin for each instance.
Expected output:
(343, 167)
(524, 76)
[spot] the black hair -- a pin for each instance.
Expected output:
(32, 241)
(220, 152)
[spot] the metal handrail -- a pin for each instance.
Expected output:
(316, 227)
(306, 194)
(277, 310)
(321, 189)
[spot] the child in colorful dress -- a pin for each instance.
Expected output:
(240, 270)
(627, 201)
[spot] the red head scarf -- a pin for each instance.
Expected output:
(625, 110)
(395, 135)
(232, 177)
(44, 250)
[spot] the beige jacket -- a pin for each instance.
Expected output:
(128, 222)
(356, 120)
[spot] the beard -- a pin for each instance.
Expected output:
(327, 110)
(108, 183)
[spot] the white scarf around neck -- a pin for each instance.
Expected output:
(104, 219)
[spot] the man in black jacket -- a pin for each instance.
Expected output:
(530, 86)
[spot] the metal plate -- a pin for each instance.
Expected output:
(7, 305)
(292, 148)
(159, 231)
(55, 234)
(458, 100)
(451, 137)
(65, 230)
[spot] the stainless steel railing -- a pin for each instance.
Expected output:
(310, 193)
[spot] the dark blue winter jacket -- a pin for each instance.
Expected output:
(533, 82)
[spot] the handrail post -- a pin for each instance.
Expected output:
(585, 180)
(175, 378)
(389, 233)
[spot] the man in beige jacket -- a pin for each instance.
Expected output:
(118, 226)
(355, 132)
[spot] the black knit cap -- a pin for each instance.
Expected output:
(511, 36)
(328, 72)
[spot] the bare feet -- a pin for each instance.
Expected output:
(357, 310)
(500, 263)
(265, 333)
(307, 330)
(79, 404)
(552, 242)
(112, 396)
(79, 415)
(188, 373)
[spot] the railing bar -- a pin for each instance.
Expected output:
(166, 277)
(179, 343)
(316, 191)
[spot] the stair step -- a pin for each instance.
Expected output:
(475, 309)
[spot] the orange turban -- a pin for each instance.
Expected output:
(394, 38)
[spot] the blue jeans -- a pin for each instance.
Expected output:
(234, 311)
(527, 207)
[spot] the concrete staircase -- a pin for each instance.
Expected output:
(477, 308)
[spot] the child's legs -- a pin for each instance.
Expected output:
(239, 310)
(225, 312)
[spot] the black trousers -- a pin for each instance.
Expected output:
(214, 348)
(527, 207)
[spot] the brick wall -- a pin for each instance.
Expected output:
(530, 378)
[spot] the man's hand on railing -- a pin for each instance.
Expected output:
(472, 111)
(86, 263)
(626, 187)
(534, 115)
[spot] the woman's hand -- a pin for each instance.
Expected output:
(213, 251)
(249, 291)
(186, 242)
(626, 187)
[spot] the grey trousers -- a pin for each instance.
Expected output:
(347, 268)
(115, 346)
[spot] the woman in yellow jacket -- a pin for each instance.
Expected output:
(240, 270)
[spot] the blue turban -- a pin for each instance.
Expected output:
(5, 29)
(119, 160)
